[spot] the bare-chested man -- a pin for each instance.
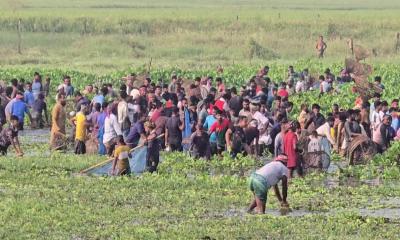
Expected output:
(321, 47)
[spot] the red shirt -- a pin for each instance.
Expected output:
(169, 104)
(289, 146)
(217, 127)
(220, 104)
(210, 109)
(283, 93)
(258, 89)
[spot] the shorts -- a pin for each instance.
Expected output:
(259, 185)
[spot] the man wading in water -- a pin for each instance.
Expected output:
(265, 178)
(321, 47)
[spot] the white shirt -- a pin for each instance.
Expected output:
(300, 86)
(262, 121)
(325, 131)
(375, 119)
(111, 128)
(8, 108)
(273, 172)
(122, 112)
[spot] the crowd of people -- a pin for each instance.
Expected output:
(202, 117)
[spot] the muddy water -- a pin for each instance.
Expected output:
(387, 213)
(35, 136)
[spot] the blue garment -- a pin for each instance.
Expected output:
(99, 99)
(270, 100)
(29, 98)
(326, 147)
(137, 164)
(395, 124)
(19, 108)
(69, 90)
(187, 132)
(134, 134)
(36, 89)
(100, 122)
(210, 120)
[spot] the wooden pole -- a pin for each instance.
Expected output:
(19, 36)
(111, 159)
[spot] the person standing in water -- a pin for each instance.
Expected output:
(321, 47)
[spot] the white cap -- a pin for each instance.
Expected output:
(135, 93)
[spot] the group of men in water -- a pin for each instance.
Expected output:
(203, 117)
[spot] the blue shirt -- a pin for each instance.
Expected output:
(134, 134)
(101, 119)
(19, 108)
(395, 124)
(210, 120)
(29, 98)
(99, 99)
(36, 88)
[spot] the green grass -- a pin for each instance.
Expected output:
(42, 197)
(104, 35)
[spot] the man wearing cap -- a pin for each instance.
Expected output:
(266, 177)
(19, 108)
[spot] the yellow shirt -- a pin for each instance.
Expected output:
(121, 152)
(80, 133)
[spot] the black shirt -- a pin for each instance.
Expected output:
(174, 133)
(235, 103)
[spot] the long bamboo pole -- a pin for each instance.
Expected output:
(111, 159)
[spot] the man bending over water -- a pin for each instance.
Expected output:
(265, 178)
(9, 136)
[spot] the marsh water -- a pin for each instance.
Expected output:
(389, 208)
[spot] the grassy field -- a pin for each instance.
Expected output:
(105, 36)
(96, 41)
(43, 198)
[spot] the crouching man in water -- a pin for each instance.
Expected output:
(9, 136)
(265, 178)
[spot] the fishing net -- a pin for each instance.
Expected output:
(360, 72)
(360, 53)
(137, 164)
(316, 161)
(361, 150)
(356, 68)
(91, 145)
